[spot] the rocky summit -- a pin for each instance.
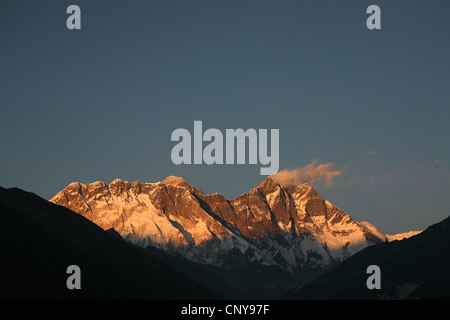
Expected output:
(292, 227)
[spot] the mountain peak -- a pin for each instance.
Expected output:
(74, 184)
(269, 185)
(176, 181)
(116, 181)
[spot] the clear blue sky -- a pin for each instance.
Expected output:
(101, 103)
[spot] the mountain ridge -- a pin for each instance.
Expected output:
(291, 227)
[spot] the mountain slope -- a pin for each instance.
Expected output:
(40, 240)
(413, 268)
(292, 228)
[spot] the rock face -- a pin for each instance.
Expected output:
(290, 227)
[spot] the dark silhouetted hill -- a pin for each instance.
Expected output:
(39, 240)
(413, 268)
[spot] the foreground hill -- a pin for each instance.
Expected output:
(39, 240)
(412, 268)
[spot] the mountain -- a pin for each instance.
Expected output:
(39, 240)
(401, 236)
(412, 268)
(292, 230)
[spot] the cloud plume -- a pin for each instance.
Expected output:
(312, 172)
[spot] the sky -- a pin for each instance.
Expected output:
(366, 111)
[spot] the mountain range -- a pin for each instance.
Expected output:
(287, 236)
(168, 240)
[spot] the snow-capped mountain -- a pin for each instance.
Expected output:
(290, 227)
